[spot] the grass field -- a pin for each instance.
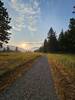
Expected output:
(13, 64)
(9, 61)
(63, 71)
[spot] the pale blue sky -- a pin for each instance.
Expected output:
(32, 19)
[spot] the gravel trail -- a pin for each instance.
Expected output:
(36, 84)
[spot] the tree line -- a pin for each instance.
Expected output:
(64, 43)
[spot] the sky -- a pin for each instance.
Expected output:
(32, 19)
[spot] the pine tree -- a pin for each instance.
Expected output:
(61, 41)
(71, 35)
(52, 41)
(4, 25)
(45, 45)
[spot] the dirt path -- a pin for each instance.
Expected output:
(36, 84)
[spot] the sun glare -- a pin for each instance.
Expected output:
(23, 45)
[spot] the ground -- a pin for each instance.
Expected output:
(35, 84)
(33, 76)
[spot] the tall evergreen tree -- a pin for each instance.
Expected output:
(66, 41)
(45, 45)
(4, 24)
(52, 41)
(71, 35)
(61, 41)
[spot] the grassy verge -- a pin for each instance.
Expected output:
(13, 65)
(63, 71)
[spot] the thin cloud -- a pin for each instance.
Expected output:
(26, 15)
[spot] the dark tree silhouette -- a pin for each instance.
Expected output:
(4, 49)
(61, 41)
(45, 45)
(8, 49)
(52, 41)
(65, 42)
(71, 35)
(16, 49)
(67, 39)
(4, 24)
(74, 9)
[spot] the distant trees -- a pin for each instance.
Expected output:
(8, 48)
(4, 24)
(64, 43)
(51, 43)
(16, 49)
(11, 49)
(67, 38)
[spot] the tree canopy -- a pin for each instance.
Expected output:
(64, 43)
(4, 25)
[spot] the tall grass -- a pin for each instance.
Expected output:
(9, 61)
(14, 65)
(63, 70)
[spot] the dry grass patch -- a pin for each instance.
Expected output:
(13, 65)
(63, 71)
